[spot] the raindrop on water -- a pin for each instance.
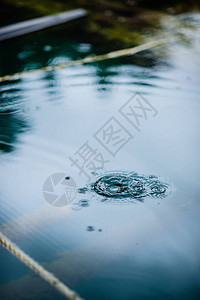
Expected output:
(120, 186)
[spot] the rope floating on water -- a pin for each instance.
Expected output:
(90, 59)
(38, 269)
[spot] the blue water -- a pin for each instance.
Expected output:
(126, 248)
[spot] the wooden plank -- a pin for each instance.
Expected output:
(29, 26)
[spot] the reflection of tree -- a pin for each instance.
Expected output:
(10, 126)
(107, 71)
(11, 122)
(50, 47)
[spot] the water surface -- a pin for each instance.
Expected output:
(145, 249)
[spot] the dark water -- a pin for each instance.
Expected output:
(132, 231)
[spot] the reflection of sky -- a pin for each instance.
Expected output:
(63, 110)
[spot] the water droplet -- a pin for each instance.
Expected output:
(90, 228)
(94, 173)
(84, 203)
(82, 190)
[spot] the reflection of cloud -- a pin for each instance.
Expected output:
(23, 226)
(160, 249)
(70, 267)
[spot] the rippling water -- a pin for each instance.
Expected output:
(146, 250)
(131, 186)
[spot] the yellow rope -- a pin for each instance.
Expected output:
(37, 268)
(90, 59)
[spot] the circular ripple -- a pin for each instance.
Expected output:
(121, 185)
